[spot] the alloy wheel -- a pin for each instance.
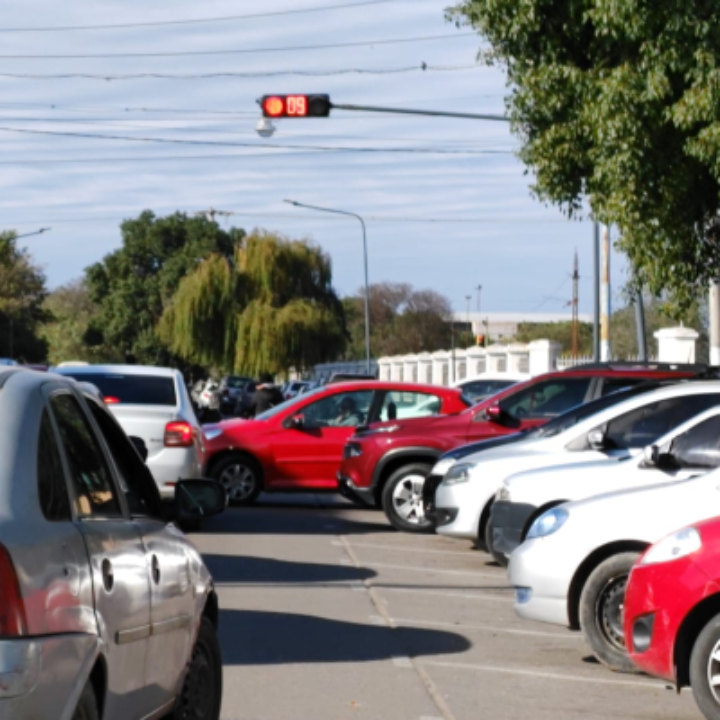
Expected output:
(713, 672)
(239, 481)
(407, 499)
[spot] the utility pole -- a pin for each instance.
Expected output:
(576, 278)
(714, 311)
(468, 298)
(479, 290)
(605, 296)
(640, 326)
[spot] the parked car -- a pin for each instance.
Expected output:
(107, 609)
(672, 612)
(152, 403)
(481, 386)
(387, 464)
(293, 388)
(298, 445)
(229, 391)
(573, 567)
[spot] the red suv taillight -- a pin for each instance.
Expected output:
(178, 434)
(12, 607)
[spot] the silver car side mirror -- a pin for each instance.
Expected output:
(596, 439)
(652, 453)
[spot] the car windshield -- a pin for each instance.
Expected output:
(131, 389)
(236, 383)
(287, 404)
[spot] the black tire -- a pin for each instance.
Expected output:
(601, 605)
(201, 694)
(87, 707)
(498, 557)
(241, 475)
(402, 499)
(702, 664)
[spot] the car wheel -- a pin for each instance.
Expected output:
(705, 669)
(601, 611)
(201, 693)
(402, 499)
(498, 557)
(240, 475)
(87, 708)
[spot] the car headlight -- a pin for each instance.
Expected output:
(442, 466)
(679, 544)
(548, 523)
(213, 433)
(458, 473)
(503, 494)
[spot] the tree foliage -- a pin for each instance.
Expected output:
(560, 332)
(402, 320)
(269, 307)
(22, 292)
(618, 102)
(132, 285)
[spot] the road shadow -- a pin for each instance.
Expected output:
(253, 570)
(252, 637)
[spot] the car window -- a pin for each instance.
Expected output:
(52, 490)
(344, 409)
(612, 385)
(135, 479)
(132, 389)
(475, 389)
(546, 399)
(643, 426)
(399, 404)
(699, 447)
(298, 400)
(95, 493)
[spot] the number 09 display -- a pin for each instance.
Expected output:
(297, 106)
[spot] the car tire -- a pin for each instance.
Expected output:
(703, 661)
(87, 707)
(201, 694)
(498, 557)
(402, 499)
(241, 476)
(601, 605)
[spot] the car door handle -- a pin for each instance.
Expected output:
(108, 575)
(155, 569)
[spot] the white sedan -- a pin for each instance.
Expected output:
(572, 569)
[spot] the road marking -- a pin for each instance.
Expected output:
(402, 662)
(543, 675)
(405, 548)
(488, 628)
(412, 568)
(440, 593)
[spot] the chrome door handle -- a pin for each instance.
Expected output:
(155, 569)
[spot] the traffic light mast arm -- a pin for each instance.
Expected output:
(403, 111)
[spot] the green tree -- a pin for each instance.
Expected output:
(269, 307)
(132, 285)
(560, 332)
(70, 314)
(22, 292)
(617, 103)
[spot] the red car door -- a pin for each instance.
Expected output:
(308, 453)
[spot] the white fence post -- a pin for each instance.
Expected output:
(543, 356)
(676, 345)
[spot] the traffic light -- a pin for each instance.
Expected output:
(282, 106)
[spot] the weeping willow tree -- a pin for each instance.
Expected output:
(268, 308)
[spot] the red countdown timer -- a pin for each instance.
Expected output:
(277, 106)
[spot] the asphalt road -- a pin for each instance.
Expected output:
(328, 614)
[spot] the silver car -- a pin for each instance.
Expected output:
(107, 611)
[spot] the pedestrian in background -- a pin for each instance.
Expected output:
(267, 395)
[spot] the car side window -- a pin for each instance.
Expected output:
(343, 409)
(398, 405)
(612, 385)
(95, 492)
(699, 447)
(52, 490)
(136, 481)
(546, 399)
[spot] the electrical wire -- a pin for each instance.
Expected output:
(244, 51)
(423, 67)
(226, 18)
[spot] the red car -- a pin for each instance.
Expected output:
(387, 464)
(298, 445)
(672, 612)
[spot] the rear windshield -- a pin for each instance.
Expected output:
(132, 389)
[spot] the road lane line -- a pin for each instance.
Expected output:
(543, 675)
(488, 628)
(412, 568)
(441, 593)
(405, 548)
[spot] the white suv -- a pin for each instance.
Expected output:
(152, 403)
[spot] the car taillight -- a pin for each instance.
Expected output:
(12, 607)
(178, 434)
(111, 400)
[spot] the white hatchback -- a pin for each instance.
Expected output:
(152, 403)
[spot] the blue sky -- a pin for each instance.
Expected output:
(444, 221)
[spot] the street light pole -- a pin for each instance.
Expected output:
(365, 259)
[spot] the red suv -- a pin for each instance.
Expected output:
(298, 445)
(388, 463)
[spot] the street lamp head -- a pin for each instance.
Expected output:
(292, 202)
(265, 128)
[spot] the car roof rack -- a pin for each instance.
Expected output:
(646, 365)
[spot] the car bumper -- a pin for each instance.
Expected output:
(541, 581)
(351, 491)
(173, 464)
(457, 511)
(509, 521)
(430, 486)
(657, 601)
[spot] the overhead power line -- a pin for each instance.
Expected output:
(244, 51)
(423, 67)
(194, 21)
